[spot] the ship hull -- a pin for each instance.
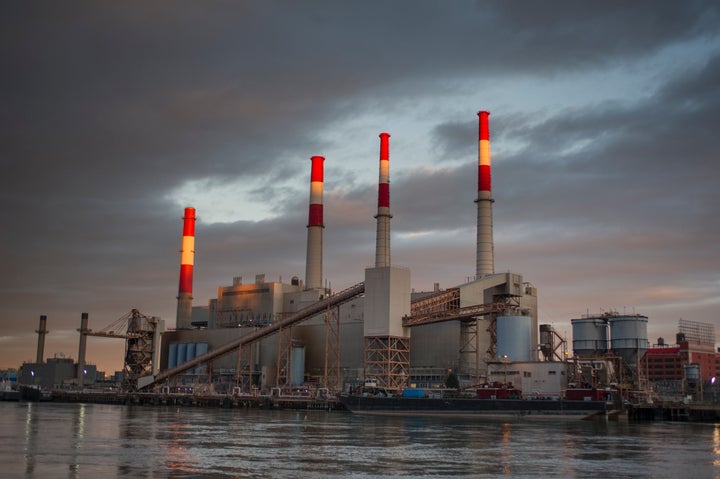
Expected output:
(471, 406)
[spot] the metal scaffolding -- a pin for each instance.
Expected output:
(331, 376)
(387, 361)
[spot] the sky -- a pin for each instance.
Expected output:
(604, 120)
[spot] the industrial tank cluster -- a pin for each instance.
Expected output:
(609, 349)
(620, 334)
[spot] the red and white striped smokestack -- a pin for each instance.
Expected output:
(313, 266)
(187, 261)
(485, 263)
(382, 246)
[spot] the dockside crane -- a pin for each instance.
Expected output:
(142, 338)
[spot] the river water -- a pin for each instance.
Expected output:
(51, 440)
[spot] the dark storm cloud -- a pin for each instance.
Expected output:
(108, 107)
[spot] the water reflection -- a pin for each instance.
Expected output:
(30, 437)
(506, 452)
(78, 432)
(73, 440)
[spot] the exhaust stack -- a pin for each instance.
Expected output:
(187, 260)
(42, 331)
(313, 265)
(485, 263)
(382, 246)
(80, 373)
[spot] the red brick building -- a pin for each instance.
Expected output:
(667, 362)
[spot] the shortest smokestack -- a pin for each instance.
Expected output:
(42, 331)
(183, 317)
(81, 350)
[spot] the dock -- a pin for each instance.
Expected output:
(674, 412)
(197, 400)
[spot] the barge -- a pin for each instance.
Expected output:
(504, 403)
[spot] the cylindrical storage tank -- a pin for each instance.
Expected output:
(629, 338)
(692, 372)
(181, 353)
(546, 334)
(547, 341)
(297, 376)
(172, 355)
(190, 352)
(590, 336)
(514, 338)
(200, 349)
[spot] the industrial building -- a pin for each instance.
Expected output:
(142, 344)
(383, 330)
(263, 333)
(686, 367)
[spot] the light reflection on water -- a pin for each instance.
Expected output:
(47, 440)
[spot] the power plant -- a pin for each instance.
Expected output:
(263, 335)
(408, 338)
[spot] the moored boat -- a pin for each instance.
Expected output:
(504, 404)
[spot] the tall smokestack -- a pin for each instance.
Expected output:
(42, 331)
(485, 263)
(81, 350)
(313, 267)
(382, 246)
(187, 260)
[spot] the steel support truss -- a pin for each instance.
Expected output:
(284, 358)
(387, 360)
(331, 376)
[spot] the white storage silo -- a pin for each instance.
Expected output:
(590, 336)
(629, 337)
(514, 338)
(298, 365)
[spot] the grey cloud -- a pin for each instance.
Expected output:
(108, 107)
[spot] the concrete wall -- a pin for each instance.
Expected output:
(387, 300)
(544, 379)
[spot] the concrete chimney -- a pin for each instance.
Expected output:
(382, 246)
(42, 331)
(313, 266)
(187, 261)
(485, 263)
(81, 350)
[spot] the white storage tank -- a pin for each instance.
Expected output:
(590, 336)
(629, 337)
(514, 337)
(297, 366)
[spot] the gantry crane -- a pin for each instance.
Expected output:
(141, 335)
